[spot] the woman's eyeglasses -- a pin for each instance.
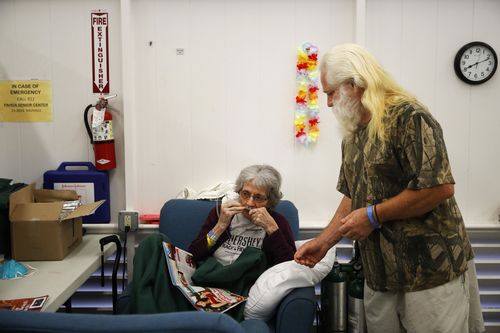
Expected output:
(245, 195)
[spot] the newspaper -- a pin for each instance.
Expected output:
(181, 267)
(24, 304)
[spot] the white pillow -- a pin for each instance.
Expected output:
(276, 282)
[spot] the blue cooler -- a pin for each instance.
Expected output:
(90, 184)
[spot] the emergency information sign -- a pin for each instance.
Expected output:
(25, 101)
(100, 53)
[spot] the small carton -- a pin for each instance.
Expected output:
(39, 228)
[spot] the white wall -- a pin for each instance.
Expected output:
(418, 43)
(228, 102)
(50, 40)
(197, 119)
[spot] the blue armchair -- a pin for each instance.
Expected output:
(181, 219)
(195, 322)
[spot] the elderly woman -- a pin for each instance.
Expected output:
(247, 221)
(239, 240)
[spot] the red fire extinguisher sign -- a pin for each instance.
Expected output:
(100, 52)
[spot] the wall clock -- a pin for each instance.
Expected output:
(475, 63)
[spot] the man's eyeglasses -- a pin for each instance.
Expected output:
(245, 195)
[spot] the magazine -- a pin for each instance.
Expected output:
(24, 304)
(181, 267)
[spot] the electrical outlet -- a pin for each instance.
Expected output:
(128, 219)
(127, 222)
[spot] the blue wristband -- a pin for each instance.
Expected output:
(212, 235)
(369, 211)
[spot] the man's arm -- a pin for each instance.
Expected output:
(330, 235)
(313, 251)
(407, 204)
(411, 203)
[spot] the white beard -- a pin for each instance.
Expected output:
(348, 111)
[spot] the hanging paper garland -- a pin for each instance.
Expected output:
(306, 101)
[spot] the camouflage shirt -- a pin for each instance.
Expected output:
(416, 253)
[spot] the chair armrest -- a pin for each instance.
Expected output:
(296, 311)
(46, 322)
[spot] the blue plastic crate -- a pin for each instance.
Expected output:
(91, 184)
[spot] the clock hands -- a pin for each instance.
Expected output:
(477, 63)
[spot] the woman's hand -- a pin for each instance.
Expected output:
(228, 210)
(262, 218)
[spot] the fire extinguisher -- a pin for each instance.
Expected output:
(100, 133)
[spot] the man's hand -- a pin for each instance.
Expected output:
(310, 253)
(356, 225)
(262, 218)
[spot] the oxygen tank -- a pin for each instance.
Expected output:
(334, 301)
(356, 322)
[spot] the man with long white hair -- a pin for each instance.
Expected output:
(398, 203)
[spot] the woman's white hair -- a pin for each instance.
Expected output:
(262, 176)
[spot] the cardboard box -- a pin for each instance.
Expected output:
(38, 232)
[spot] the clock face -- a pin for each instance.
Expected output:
(475, 63)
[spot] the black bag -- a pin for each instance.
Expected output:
(6, 188)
